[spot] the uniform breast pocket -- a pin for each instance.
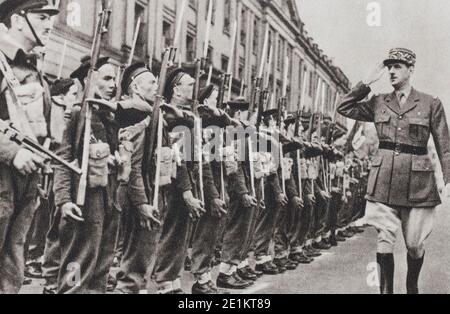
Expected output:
(422, 184)
(419, 130)
(382, 123)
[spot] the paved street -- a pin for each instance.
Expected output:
(345, 269)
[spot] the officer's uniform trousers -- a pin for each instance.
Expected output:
(14, 227)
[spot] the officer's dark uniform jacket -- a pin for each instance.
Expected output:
(398, 178)
(25, 71)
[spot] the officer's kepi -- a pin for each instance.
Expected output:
(401, 55)
(22, 7)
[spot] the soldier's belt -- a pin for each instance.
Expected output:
(403, 148)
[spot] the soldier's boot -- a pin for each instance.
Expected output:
(311, 252)
(412, 279)
(268, 268)
(253, 271)
(386, 276)
(246, 275)
(203, 288)
(231, 282)
(301, 258)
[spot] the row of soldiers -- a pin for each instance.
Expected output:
(277, 195)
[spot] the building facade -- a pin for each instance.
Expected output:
(74, 30)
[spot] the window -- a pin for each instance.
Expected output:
(224, 63)
(311, 84)
(210, 57)
(280, 54)
(80, 15)
(241, 70)
(190, 48)
(243, 26)
(227, 17)
(255, 35)
(167, 34)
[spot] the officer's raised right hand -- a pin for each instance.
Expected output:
(71, 211)
(375, 75)
(26, 162)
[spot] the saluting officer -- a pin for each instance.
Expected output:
(402, 190)
(29, 24)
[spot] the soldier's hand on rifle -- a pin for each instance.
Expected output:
(195, 206)
(262, 204)
(149, 217)
(249, 201)
(325, 194)
(297, 202)
(311, 198)
(375, 75)
(26, 162)
(71, 211)
(282, 199)
(218, 208)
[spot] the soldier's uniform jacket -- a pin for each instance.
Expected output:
(398, 178)
(25, 187)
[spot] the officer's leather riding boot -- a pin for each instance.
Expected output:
(412, 279)
(386, 264)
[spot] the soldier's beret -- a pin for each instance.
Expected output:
(61, 87)
(131, 73)
(239, 104)
(270, 112)
(205, 93)
(290, 119)
(82, 71)
(402, 55)
(10, 7)
(174, 76)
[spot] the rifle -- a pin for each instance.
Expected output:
(281, 105)
(15, 136)
(84, 126)
(297, 133)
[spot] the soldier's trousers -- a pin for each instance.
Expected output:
(266, 226)
(204, 240)
(139, 252)
(321, 215)
(174, 241)
(39, 228)
(306, 223)
(13, 234)
(287, 230)
(87, 248)
(333, 213)
(238, 232)
(52, 251)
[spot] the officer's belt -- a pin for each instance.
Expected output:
(403, 148)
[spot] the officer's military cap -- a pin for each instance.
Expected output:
(10, 7)
(61, 87)
(51, 8)
(131, 73)
(82, 71)
(402, 55)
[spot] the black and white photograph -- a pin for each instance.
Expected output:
(240, 148)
